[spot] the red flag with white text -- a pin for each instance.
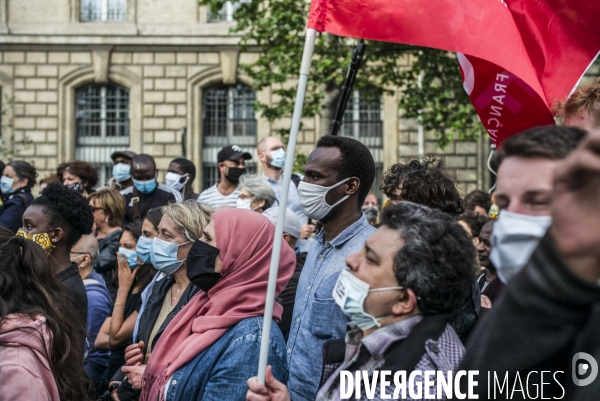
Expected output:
(517, 57)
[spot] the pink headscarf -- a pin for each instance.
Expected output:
(245, 241)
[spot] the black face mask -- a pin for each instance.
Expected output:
(201, 265)
(234, 174)
(76, 186)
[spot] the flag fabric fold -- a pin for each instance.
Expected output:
(517, 57)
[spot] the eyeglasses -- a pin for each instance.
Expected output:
(78, 253)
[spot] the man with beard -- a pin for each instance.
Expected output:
(232, 164)
(272, 155)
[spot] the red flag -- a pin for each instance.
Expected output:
(517, 59)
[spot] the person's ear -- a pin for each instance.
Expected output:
(406, 304)
(352, 186)
(87, 259)
(57, 235)
(287, 237)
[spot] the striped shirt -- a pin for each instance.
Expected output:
(212, 197)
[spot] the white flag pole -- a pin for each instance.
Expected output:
(309, 46)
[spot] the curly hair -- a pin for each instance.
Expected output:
(83, 170)
(584, 98)
(436, 261)
(29, 287)
(425, 182)
(66, 208)
(356, 161)
(475, 222)
(478, 198)
(548, 142)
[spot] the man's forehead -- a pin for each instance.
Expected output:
(518, 175)
(324, 158)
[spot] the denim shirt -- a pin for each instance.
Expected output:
(317, 318)
(221, 371)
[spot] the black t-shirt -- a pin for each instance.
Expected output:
(161, 196)
(71, 278)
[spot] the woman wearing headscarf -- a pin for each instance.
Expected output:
(212, 346)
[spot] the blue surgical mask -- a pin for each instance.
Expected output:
(143, 247)
(278, 158)
(164, 256)
(146, 186)
(121, 172)
(131, 257)
(6, 184)
(350, 293)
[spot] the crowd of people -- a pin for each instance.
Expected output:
(143, 290)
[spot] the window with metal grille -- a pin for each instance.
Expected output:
(228, 118)
(103, 10)
(102, 125)
(363, 121)
(225, 14)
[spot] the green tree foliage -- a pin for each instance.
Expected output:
(276, 30)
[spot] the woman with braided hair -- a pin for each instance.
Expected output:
(41, 349)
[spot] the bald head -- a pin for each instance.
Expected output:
(269, 143)
(265, 147)
(143, 167)
(85, 251)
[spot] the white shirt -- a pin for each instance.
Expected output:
(212, 197)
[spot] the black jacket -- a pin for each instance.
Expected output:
(544, 318)
(106, 264)
(71, 278)
(13, 207)
(161, 196)
(147, 321)
(287, 297)
(464, 321)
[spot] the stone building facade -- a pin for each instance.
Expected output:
(161, 77)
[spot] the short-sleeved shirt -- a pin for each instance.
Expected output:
(317, 318)
(215, 199)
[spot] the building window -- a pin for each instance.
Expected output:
(103, 10)
(363, 121)
(225, 14)
(102, 125)
(228, 118)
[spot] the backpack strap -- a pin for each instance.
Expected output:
(406, 353)
(135, 201)
(25, 199)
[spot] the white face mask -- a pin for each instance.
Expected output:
(514, 238)
(172, 180)
(312, 199)
(350, 293)
(244, 203)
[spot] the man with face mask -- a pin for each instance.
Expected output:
(180, 176)
(271, 153)
(146, 193)
(398, 304)
(337, 178)
(121, 172)
(232, 164)
(524, 192)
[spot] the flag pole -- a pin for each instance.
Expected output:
(309, 46)
(357, 57)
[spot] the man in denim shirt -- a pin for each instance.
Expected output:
(338, 176)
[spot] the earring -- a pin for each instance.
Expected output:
(106, 221)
